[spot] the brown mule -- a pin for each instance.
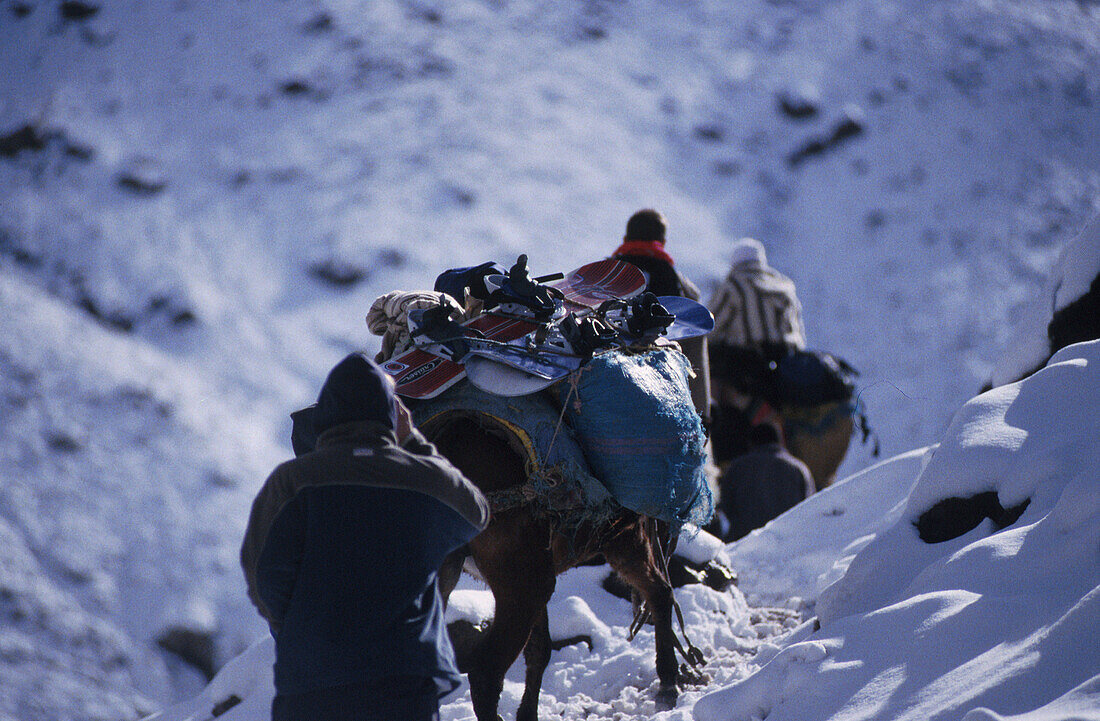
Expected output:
(519, 556)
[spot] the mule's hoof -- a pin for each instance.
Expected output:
(666, 697)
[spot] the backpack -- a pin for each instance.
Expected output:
(805, 379)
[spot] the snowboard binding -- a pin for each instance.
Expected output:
(518, 294)
(584, 336)
(641, 319)
(435, 330)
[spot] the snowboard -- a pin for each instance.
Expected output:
(420, 373)
(516, 369)
(693, 319)
(492, 376)
(592, 284)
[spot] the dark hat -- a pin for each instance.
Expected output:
(763, 434)
(355, 390)
(646, 224)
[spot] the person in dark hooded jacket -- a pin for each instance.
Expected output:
(341, 556)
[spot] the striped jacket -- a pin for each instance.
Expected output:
(756, 306)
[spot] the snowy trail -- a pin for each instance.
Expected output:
(616, 679)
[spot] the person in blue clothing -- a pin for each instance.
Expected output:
(341, 556)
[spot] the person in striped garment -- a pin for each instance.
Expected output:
(757, 307)
(757, 321)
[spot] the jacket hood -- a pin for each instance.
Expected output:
(748, 250)
(356, 390)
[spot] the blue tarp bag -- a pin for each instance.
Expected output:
(635, 421)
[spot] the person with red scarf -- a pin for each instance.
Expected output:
(644, 246)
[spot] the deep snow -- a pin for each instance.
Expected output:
(176, 178)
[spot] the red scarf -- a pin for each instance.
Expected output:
(645, 248)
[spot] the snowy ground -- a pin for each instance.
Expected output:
(199, 201)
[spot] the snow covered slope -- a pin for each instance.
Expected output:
(199, 201)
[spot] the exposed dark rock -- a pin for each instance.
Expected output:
(143, 185)
(12, 249)
(63, 442)
(874, 219)
(21, 10)
(27, 138)
(184, 317)
(76, 10)
(709, 132)
(96, 39)
(296, 88)
(1074, 323)
(193, 646)
(79, 152)
(430, 15)
(143, 398)
(223, 706)
(1078, 92)
(798, 104)
(177, 314)
(458, 195)
(220, 480)
(112, 319)
(337, 273)
(435, 67)
(33, 139)
(320, 23)
(848, 127)
(727, 168)
(718, 576)
(1077, 322)
(967, 77)
(953, 517)
(284, 176)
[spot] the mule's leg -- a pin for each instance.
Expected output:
(514, 558)
(451, 571)
(633, 553)
(536, 654)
